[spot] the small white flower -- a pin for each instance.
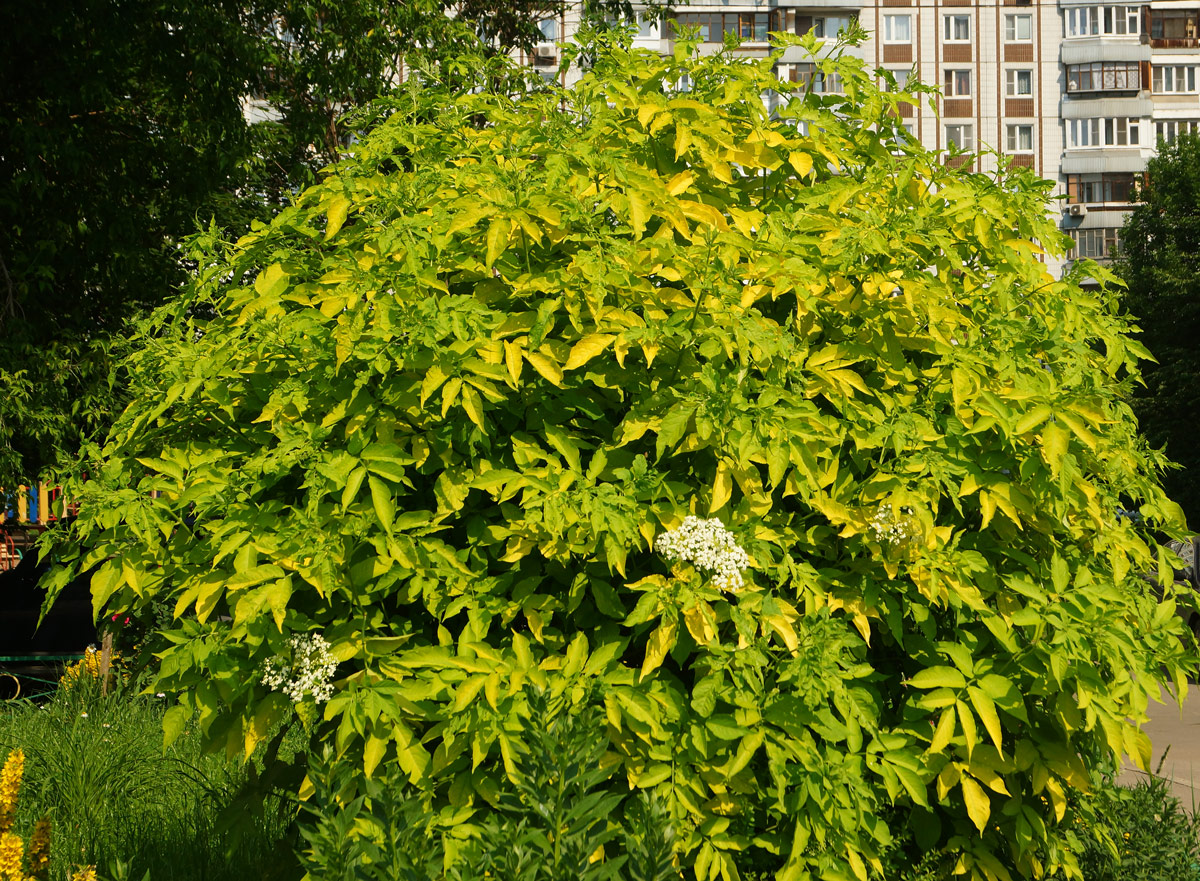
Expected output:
(708, 546)
(83, 715)
(309, 672)
(891, 526)
(161, 694)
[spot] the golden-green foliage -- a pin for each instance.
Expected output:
(439, 411)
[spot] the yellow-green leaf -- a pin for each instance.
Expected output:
(381, 498)
(497, 239)
(587, 349)
(722, 487)
(338, 209)
(545, 366)
(986, 709)
(979, 806)
(473, 406)
(661, 641)
(802, 162)
(944, 731)
(938, 677)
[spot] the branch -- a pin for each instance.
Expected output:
(8, 309)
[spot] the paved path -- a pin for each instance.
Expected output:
(1169, 727)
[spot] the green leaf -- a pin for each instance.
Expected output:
(339, 207)
(174, 722)
(353, 484)
(938, 677)
(979, 806)
(381, 499)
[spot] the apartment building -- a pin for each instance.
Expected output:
(1079, 92)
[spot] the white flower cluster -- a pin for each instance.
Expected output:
(708, 546)
(891, 526)
(310, 671)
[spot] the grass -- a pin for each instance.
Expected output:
(95, 765)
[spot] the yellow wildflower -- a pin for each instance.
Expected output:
(88, 873)
(10, 784)
(12, 852)
(39, 850)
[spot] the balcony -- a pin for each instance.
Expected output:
(1174, 29)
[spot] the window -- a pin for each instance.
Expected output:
(1090, 21)
(820, 83)
(1018, 83)
(713, 26)
(548, 27)
(1172, 25)
(1169, 129)
(1112, 132)
(1097, 244)
(901, 78)
(647, 26)
(829, 26)
(961, 136)
(827, 83)
(897, 29)
(1019, 138)
(1018, 28)
(1098, 188)
(1174, 78)
(1101, 75)
(957, 28)
(958, 84)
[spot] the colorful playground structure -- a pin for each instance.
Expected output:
(24, 515)
(32, 651)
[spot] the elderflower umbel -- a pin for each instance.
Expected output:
(708, 546)
(310, 671)
(892, 527)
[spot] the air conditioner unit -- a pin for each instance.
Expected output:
(1077, 210)
(545, 54)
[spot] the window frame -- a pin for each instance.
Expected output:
(1090, 76)
(888, 36)
(1013, 137)
(1159, 73)
(1177, 127)
(1010, 24)
(1102, 20)
(966, 129)
(1012, 80)
(1101, 132)
(1103, 243)
(952, 75)
(1106, 189)
(947, 19)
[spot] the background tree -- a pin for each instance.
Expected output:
(431, 436)
(122, 127)
(1160, 263)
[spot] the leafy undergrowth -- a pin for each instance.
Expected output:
(95, 765)
(1150, 835)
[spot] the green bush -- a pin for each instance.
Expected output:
(445, 418)
(1141, 833)
(558, 820)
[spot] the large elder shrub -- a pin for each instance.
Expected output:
(439, 411)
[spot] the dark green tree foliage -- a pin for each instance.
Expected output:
(1161, 265)
(118, 121)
